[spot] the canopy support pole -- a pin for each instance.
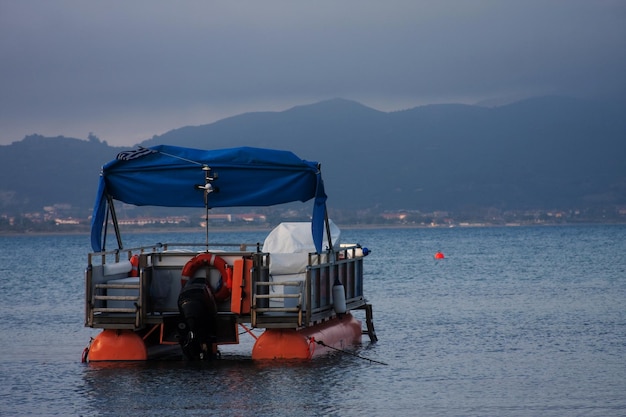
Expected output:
(208, 189)
(206, 226)
(116, 226)
(106, 229)
(327, 222)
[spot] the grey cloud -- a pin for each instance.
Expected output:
(146, 65)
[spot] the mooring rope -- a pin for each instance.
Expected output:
(246, 330)
(319, 342)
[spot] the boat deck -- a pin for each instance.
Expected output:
(260, 296)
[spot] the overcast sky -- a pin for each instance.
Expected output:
(128, 70)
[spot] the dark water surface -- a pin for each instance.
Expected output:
(527, 321)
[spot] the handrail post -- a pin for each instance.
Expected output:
(88, 292)
(308, 296)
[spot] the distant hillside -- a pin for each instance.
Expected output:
(544, 152)
(38, 171)
(549, 152)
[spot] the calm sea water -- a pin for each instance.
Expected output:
(527, 321)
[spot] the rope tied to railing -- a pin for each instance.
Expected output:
(321, 343)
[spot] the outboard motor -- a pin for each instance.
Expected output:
(198, 329)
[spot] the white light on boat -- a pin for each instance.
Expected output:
(208, 188)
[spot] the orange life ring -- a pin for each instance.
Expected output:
(134, 262)
(191, 267)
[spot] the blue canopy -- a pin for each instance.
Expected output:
(170, 176)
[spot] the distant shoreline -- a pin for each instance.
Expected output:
(222, 229)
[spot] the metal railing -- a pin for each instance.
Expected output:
(110, 302)
(314, 294)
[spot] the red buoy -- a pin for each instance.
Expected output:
(439, 255)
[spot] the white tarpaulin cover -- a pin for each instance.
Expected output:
(290, 243)
(295, 237)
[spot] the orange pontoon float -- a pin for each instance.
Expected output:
(186, 299)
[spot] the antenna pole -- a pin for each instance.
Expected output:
(207, 188)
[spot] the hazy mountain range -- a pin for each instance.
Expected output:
(548, 152)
